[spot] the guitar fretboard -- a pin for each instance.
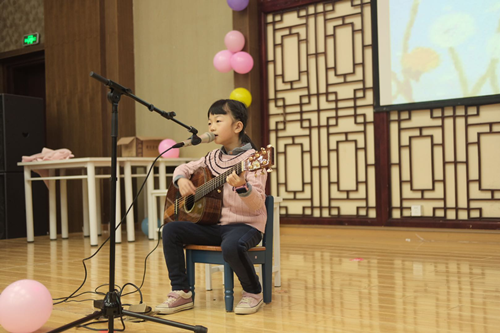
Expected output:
(216, 182)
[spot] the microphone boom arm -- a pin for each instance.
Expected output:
(127, 91)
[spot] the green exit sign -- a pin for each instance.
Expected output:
(31, 39)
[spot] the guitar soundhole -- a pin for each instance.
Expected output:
(189, 203)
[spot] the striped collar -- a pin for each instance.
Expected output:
(237, 150)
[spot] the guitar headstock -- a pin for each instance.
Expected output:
(261, 159)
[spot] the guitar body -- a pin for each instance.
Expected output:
(206, 210)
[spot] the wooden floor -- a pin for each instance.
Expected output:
(334, 279)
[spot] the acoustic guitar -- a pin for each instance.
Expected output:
(204, 207)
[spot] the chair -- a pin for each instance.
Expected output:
(211, 269)
(259, 255)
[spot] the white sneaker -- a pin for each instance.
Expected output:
(177, 300)
(250, 303)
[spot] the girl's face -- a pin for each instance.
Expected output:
(226, 130)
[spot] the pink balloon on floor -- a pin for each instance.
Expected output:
(222, 61)
(242, 62)
(25, 306)
(234, 41)
(164, 145)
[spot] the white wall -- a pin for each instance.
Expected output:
(175, 42)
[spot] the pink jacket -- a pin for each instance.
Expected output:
(249, 207)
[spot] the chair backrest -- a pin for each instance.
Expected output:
(268, 236)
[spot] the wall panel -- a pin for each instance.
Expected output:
(319, 98)
(360, 167)
(80, 37)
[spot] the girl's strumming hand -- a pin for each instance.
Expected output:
(186, 187)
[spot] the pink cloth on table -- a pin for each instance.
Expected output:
(48, 155)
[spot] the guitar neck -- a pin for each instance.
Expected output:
(216, 182)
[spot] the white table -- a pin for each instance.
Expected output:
(91, 194)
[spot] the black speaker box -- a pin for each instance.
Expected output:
(22, 129)
(12, 207)
(22, 133)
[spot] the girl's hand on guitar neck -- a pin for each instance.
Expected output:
(234, 180)
(186, 187)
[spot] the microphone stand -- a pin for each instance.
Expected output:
(111, 306)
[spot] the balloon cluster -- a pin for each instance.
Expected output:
(233, 58)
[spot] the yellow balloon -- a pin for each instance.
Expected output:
(242, 95)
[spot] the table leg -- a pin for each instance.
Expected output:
(52, 207)
(28, 201)
(144, 194)
(162, 175)
(64, 205)
(85, 195)
(98, 206)
(277, 245)
(127, 169)
(92, 203)
(151, 206)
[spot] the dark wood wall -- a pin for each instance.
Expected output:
(247, 22)
(83, 36)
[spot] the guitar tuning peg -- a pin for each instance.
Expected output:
(257, 155)
(269, 170)
(262, 149)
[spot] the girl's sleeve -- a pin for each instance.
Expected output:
(187, 169)
(255, 197)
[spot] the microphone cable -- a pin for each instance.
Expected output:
(138, 289)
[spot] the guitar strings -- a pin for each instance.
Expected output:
(208, 187)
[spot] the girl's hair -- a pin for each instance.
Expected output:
(238, 111)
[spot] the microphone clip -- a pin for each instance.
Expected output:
(195, 140)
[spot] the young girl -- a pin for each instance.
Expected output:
(243, 215)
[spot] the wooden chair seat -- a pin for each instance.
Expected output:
(218, 248)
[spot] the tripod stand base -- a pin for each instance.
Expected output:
(97, 314)
(112, 309)
(80, 321)
(196, 329)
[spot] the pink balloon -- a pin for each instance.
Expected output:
(222, 61)
(234, 41)
(25, 306)
(164, 145)
(242, 62)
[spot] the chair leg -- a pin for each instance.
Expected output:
(190, 271)
(258, 270)
(267, 275)
(208, 277)
(228, 287)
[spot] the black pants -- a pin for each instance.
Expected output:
(235, 241)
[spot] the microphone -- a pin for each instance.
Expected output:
(194, 140)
